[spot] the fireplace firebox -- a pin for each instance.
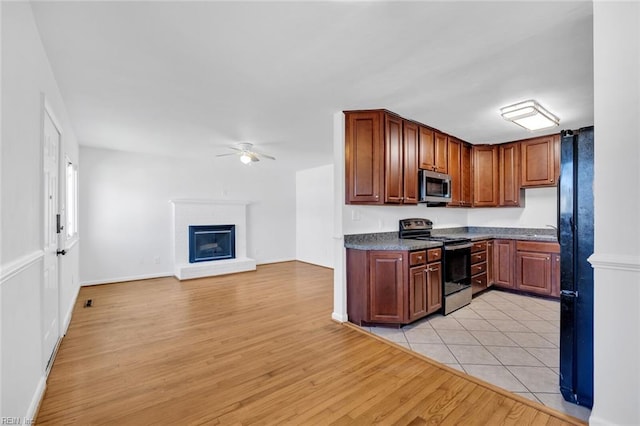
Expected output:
(211, 242)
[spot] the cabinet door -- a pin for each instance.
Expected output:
(555, 275)
(394, 154)
(510, 174)
(417, 292)
(466, 198)
(485, 176)
(434, 284)
(441, 152)
(540, 161)
(503, 263)
(490, 276)
(410, 143)
(454, 159)
(427, 149)
(364, 152)
(533, 270)
(387, 271)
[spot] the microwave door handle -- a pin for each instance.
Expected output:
(448, 188)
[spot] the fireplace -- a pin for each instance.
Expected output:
(211, 242)
(206, 214)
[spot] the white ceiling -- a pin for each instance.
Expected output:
(189, 78)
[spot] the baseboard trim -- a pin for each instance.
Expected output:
(339, 317)
(67, 318)
(34, 407)
(13, 268)
(125, 279)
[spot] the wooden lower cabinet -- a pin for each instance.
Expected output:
(490, 276)
(537, 268)
(504, 263)
(479, 266)
(434, 287)
(387, 273)
(392, 287)
(417, 293)
(533, 271)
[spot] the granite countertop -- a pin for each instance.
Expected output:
(386, 241)
(476, 233)
(390, 240)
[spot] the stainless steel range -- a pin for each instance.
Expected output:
(456, 261)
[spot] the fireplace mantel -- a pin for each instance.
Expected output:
(188, 212)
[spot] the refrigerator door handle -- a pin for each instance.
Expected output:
(569, 293)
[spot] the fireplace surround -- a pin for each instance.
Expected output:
(208, 213)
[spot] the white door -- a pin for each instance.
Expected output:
(50, 329)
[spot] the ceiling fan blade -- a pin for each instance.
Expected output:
(226, 155)
(262, 154)
(268, 156)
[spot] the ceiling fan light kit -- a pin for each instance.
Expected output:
(247, 154)
(530, 115)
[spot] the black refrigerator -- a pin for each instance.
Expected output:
(575, 233)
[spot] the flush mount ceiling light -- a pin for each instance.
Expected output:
(530, 115)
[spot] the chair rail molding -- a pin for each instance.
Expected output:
(15, 267)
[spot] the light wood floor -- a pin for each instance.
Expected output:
(252, 348)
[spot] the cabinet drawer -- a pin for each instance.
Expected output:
(479, 246)
(434, 254)
(478, 283)
(478, 269)
(418, 257)
(479, 257)
(538, 246)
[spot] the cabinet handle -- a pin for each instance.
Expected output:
(377, 197)
(548, 258)
(419, 257)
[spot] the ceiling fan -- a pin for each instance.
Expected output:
(246, 153)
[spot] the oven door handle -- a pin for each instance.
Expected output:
(458, 247)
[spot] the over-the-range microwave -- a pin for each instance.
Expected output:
(434, 187)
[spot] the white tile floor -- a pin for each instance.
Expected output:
(509, 340)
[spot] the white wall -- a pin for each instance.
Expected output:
(365, 219)
(617, 214)
(540, 209)
(26, 78)
(314, 215)
(125, 215)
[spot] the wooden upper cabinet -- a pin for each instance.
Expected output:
(540, 161)
(394, 158)
(466, 198)
(459, 164)
(381, 158)
(433, 150)
(454, 162)
(364, 151)
(485, 176)
(441, 142)
(510, 190)
(410, 143)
